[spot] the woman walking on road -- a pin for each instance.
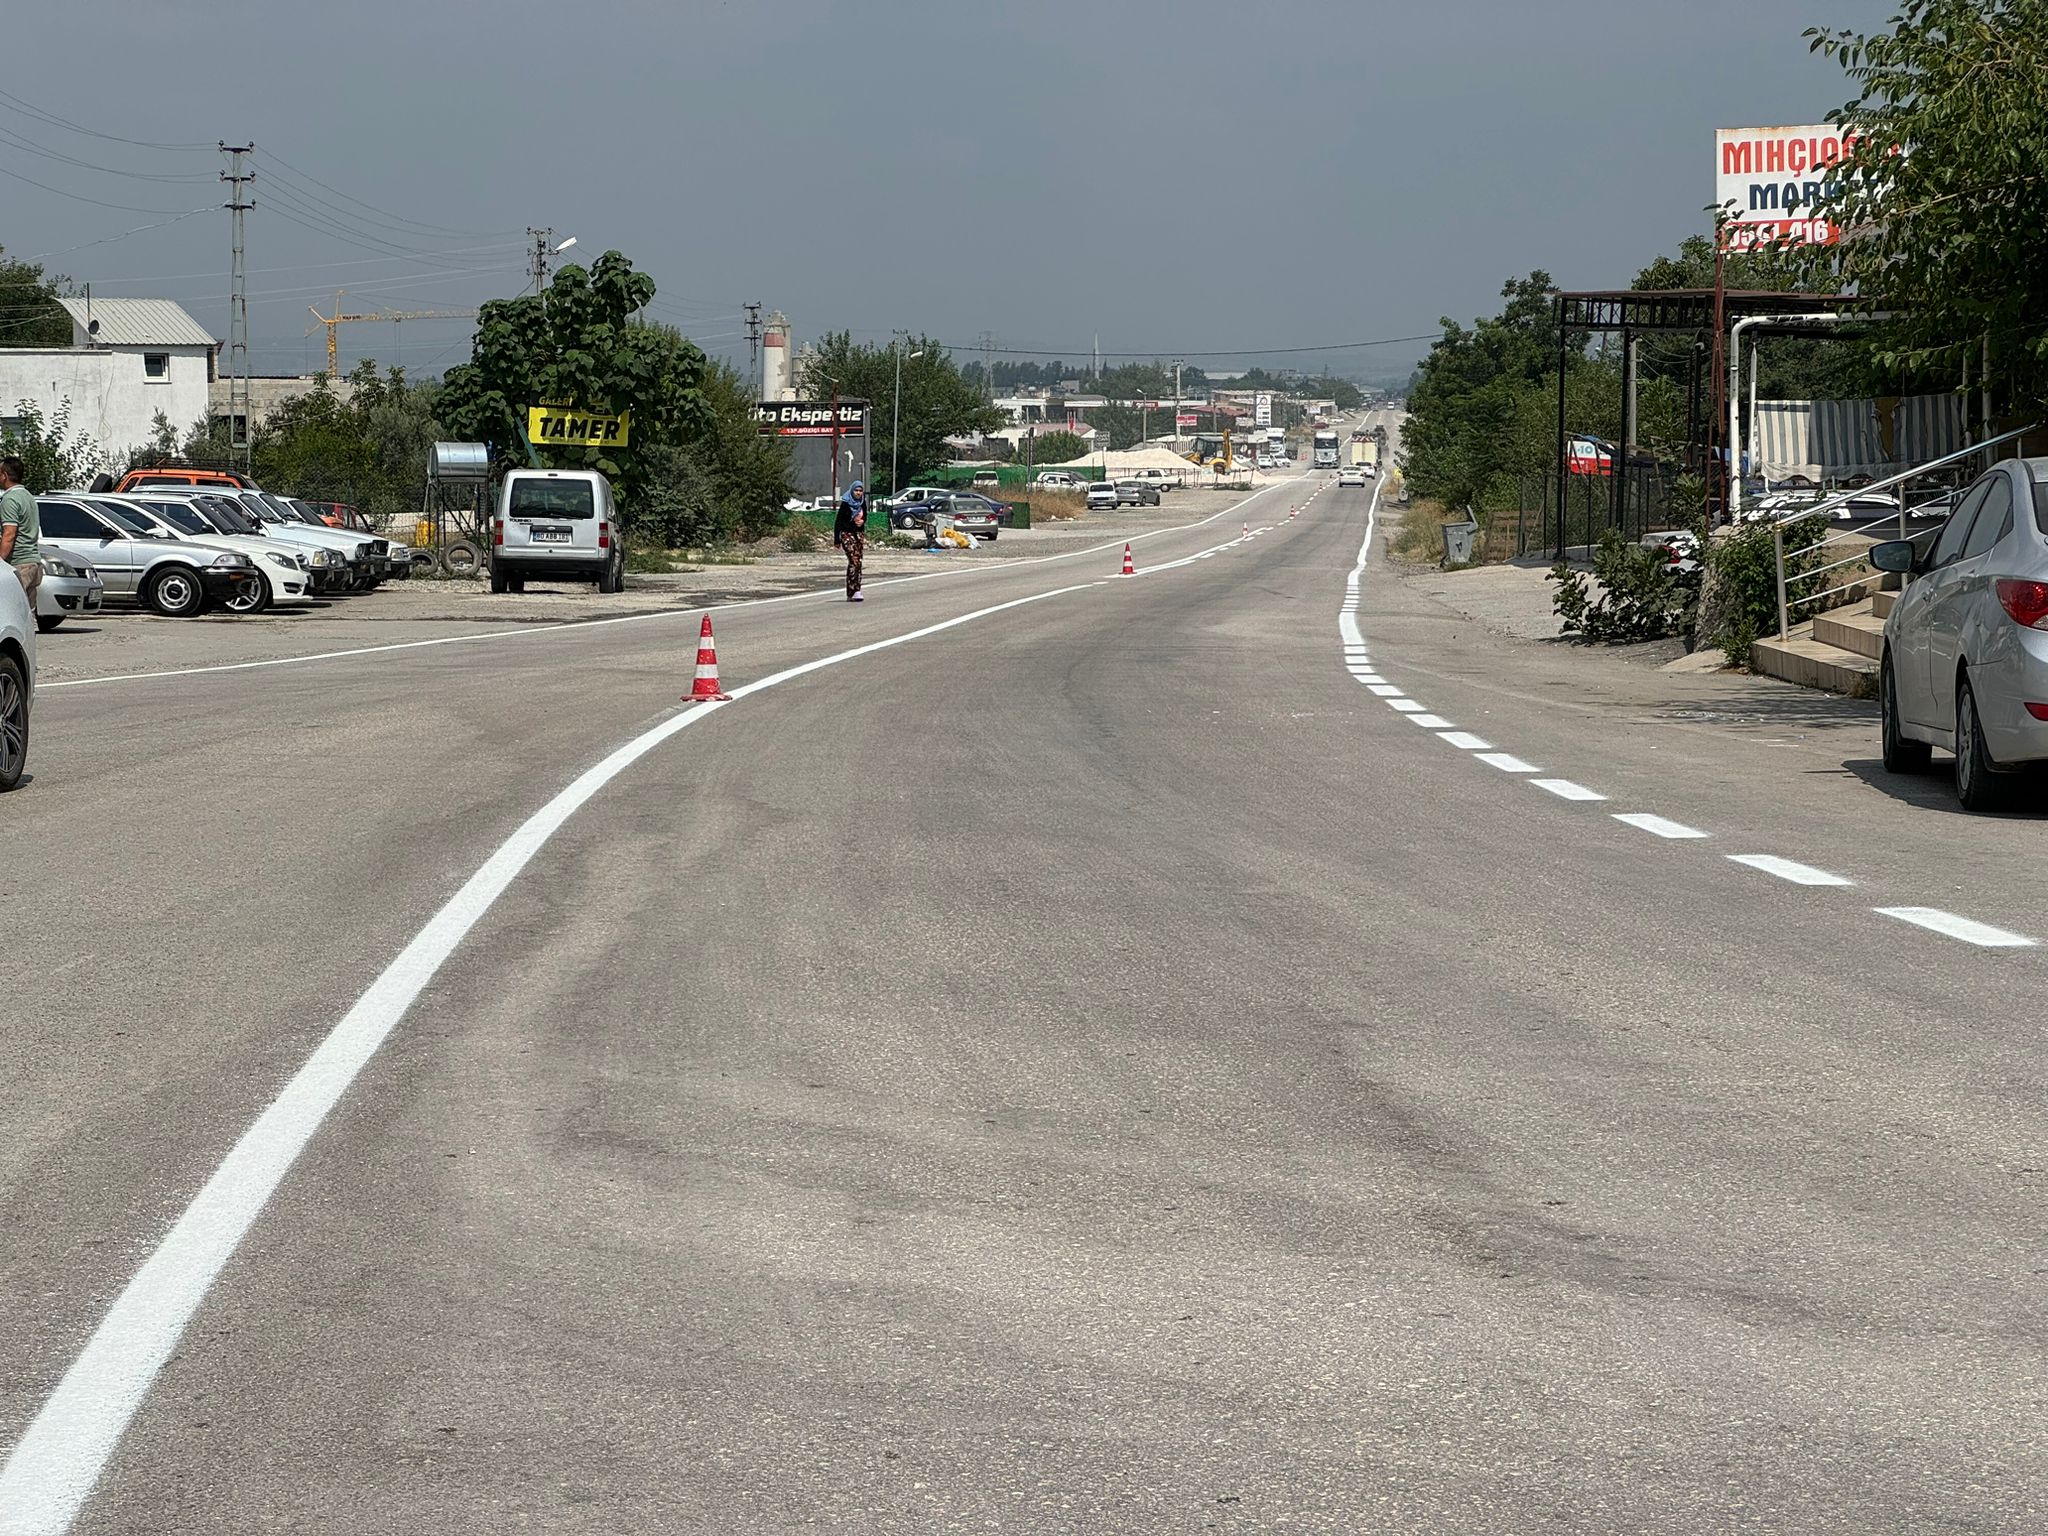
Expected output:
(849, 532)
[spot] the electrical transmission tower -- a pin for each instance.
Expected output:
(753, 338)
(543, 252)
(239, 202)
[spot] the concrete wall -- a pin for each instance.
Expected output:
(112, 401)
(269, 391)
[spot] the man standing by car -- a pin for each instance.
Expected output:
(849, 532)
(21, 530)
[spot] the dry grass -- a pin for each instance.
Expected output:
(1418, 535)
(1057, 506)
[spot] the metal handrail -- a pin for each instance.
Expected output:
(1828, 504)
(1779, 522)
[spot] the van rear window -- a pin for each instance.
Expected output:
(2041, 505)
(552, 498)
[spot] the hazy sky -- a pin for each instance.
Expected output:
(1175, 176)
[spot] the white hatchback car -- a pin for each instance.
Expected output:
(17, 677)
(1102, 496)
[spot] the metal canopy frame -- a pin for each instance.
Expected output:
(1630, 312)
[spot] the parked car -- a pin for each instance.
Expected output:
(1267, 461)
(1056, 480)
(136, 479)
(172, 577)
(986, 479)
(335, 514)
(1102, 497)
(969, 514)
(328, 569)
(555, 524)
(17, 679)
(369, 560)
(1159, 479)
(908, 496)
(1964, 664)
(70, 588)
(1136, 493)
(1001, 510)
(1862, 508)
(1351, 474)
(283, 574)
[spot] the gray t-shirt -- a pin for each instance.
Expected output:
(19, 508)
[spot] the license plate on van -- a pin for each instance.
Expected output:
(549, 535)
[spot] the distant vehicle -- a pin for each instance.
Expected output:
(969, 514)
(171, 474)
(1165, 480)
(1365, 453)
(335, 514)
(1267, 461)
(326, 569)
(17, 679)
(282, 573)
(1103, 497)
(1352, 474)
(903, 498)
(70, 588)
(1964, 663)
(1325, 448)
(168, 576)
(1056, 480)
(1001, 509)
(987, 478)
(555, 525)
(1136, 493)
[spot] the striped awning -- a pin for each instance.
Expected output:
(1836, 439)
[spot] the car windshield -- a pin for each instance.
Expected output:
(257, 508)
(552, 498)
(180, 514)
(227, 515)
(130, 520)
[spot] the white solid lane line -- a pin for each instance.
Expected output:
(1465, 741)
(1565, 789)
(1967, 929)
(54, 1466)
(1788, 869)
(1658, 825)
(1506, 762)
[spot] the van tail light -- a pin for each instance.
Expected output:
(604, 535)
(498, 532)
(2025, 601)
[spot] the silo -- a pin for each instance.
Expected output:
(777, 380)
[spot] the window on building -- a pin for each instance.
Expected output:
(13, 428)
(156, 365)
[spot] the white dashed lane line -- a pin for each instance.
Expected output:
(1465, 741)
(1431, 722)
(1506, 762)
(1565, 789)
(1406, 706)
(1969, 930)
(1788, 869)
(1658, 825)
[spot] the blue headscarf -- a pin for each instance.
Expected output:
(847, 499)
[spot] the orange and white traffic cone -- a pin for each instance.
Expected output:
(1247, 530)
(706, 686)
(1292, 513)
(1130, 568)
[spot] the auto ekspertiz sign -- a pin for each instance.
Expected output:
(1773, 185)
(811, 418)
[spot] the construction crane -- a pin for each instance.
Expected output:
(337, 320)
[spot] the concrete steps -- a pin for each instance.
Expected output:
(1838, 651)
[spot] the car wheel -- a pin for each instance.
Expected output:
(13, 722)
(500, 582)
(612, 578)
(46, 622)
(462, 558)
(990, 535)
(175, 592)
(1979, 785)
(1901, 753)
(251, 596)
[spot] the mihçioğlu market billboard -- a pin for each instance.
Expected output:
(1773, 184)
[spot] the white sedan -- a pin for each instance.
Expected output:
(17, 676)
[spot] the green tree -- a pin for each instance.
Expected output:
(30, 315)
(579, 343)
(1945, 195)
(1057, 448)
(54, 457)
(938, 401)
(727, 482)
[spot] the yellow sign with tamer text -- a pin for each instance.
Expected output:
(562, 426)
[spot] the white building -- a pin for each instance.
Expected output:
(130, 360)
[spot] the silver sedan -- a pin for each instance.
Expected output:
(70, 589)
(1965, 664)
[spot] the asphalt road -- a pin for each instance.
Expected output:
(1098, 1067)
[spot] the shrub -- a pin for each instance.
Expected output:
(1740, 601)
(800, 536)
(1639, 597)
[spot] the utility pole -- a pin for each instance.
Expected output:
(988, 364)
(239, 202)
(1176, 405)
(543, 250)
(753, 338)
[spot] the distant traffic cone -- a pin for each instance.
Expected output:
(1130, 568)
(1293, 512)
(706, 686)
(1247, 530)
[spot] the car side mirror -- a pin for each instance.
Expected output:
(1894, 555)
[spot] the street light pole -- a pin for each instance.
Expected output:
(896, 415)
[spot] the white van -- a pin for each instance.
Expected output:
(555, 525)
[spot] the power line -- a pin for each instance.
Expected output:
(32, 110)
(474, 234)
(81, 198)
(87, 165)
(123, 235)
(1081, 354)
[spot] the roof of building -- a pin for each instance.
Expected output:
(140, 323)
